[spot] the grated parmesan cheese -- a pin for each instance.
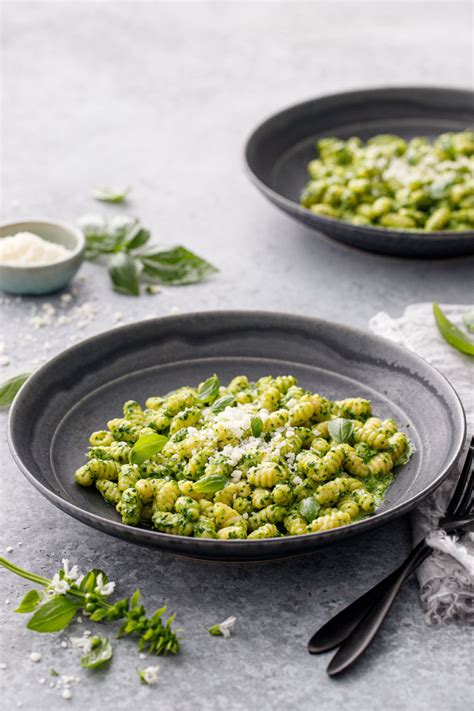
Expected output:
(26, 249)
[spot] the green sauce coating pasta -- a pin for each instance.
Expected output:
(392, 183)
(262, 465)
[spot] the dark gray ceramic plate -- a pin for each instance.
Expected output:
(79, 390)
(278, 151)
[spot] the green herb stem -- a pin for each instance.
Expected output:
(24, 573)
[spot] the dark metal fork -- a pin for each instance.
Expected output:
(356, 625)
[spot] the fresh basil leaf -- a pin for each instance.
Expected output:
(222, 403)
(136, 236)
(468, 319)
(341, 430)
(54, 615)
(111, 194)
(309, 508)
(30, 602)
(406, 456)
(124, 272)
(210, 483)
(10, 387)
(256, 425)
(99, 614)
(174, 266)
(209, 390)
(451, 333)
(53, 672)
(100, 654)
(145, 447)
(88, 582)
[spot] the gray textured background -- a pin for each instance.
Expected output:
(161, 96)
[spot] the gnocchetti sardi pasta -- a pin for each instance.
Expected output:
(248, 460)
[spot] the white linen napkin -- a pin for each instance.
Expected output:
(446, 578)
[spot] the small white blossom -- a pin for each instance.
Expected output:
(227, 626)
(149, 675)
(102, 588)
(70, 573)
(59, 586)
(224, 628)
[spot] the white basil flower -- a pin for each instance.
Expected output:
(58, 586)
(149, 675)
(102, 588)
(224, 628)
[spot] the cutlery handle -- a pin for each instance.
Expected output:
(362, 635)
(339, 627)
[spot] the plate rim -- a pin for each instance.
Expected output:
(140, 535)
(434, 236)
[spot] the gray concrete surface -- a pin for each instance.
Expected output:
(161, 96)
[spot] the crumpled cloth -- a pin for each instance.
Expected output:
(446, 578)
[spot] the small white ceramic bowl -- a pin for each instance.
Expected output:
(48, 277)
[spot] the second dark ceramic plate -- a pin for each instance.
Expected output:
(278, 151)
(82, 388)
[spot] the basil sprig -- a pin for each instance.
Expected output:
(111, 194)
(67, 594)
(209, 390)
(137, 262)
(145, 447)
(341, 430)
(10, 387)
(451, 333)
(99, 655)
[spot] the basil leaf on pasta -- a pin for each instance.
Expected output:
(256, 425)
(309, 508)
(222, 403)
(209, 389)
(210, 483)
(145, 447)
(341, 430)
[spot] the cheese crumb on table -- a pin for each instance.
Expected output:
(35, 657)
